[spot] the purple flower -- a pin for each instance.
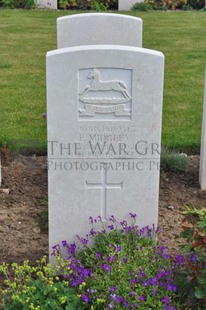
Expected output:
(107, 268)
(93, 291)
(111, 227)
(130, 273)
(92, 233)
(113, 289)
(132, 294)
(112, 218)
(149, 232)
(113, 296)
(85, 298)
(128, 229)
(72, 248)
(166, 256)
(111, 306)
(64, 243)
(193, 258)
(84, 241)
(111, 259)
(161, 284)
(142, 298)
(91, 220)
(74, 283)
(165, 300)
(155, 281)
(118, 248)
(171, 287)
(148, 282)
(179, 259)
(119, 299)
(43, 115)
(141, 273)
(123, 223)
(154, 292)
(166, 273)
(124, 260)
(133, 281)
(125, 304)
(133, 215)
(158, 230)
(98, 255)
(56, 248)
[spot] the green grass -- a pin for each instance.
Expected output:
(26, 36)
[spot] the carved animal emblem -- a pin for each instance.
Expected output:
(98, 85)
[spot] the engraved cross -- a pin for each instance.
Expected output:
(104, 186)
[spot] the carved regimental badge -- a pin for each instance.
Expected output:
(105, 94)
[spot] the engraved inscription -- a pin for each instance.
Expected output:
(104, 186)
(107, 96)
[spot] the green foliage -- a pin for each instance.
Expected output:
(36, 288)
(166, 4)
(196, 4)
(193, 277)
(8, 4)
(172, 161)
(187, 7)
(116, 266)
(98, 5)
(142, 6)
(18, 4)
(124, 266)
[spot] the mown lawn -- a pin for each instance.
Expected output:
(26, 36)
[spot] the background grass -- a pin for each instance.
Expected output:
(26, 36)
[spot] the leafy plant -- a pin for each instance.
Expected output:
(98, 5)
(34, 288)
(8, 4)
(117, 266)
(142, 6)
(194, 276)
(187, 7)
(171, 161)
(196, 4)
(166, 4)
(19, 4)
(121, 266)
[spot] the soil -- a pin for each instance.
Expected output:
(23, 206)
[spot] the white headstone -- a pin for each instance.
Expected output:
(47, 4)
(202, 172)
(126, 5)
(104, 131)
(99, 28)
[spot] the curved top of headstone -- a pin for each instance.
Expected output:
(99, 28)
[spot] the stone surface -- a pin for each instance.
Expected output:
(5, 191)
(104, 131)
(46, 4)
(202, 174)
(125, 5)
(99, 28)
